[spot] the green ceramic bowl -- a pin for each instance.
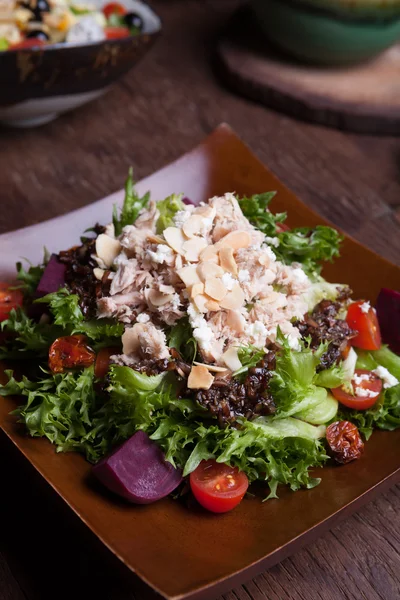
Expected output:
(330, 31)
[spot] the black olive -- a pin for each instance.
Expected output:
(133, 21)
(42, 6)
(37, 34)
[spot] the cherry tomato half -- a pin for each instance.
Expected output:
(9, 299)
(115, 33)
(362, 380)
(218, 487)
(102, 363)
(70, 352)
(28, 43)
(366, 323)
(114, 8)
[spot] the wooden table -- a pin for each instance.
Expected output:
(160, 110)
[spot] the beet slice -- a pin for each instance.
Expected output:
(138, 471)
(388, 313)
(53, 277)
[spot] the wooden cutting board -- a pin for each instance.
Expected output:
(362, 98)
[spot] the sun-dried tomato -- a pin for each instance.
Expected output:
(70, 352)
(345, 441)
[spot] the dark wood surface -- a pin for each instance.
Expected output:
(160, 110)
(362, 98)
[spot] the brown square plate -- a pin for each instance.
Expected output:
(182, 552)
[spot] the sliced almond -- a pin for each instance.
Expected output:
(234, 240)
(206, 211)
(234, 299)
(200, 378)
(98, 273)
(192, 248)
(209, 254)
(130, 339)
(212, 368)
(205, 270)
(227, 261)
(200, 302)
(107, 249)
(178, 262)
(156, 239)
(231, 359)
(175, 238)
(214, 288)
(197, 288)
(166, 289)
(157, 298)
(212, 306)
(235, 321)
(193, 226)
(189, 276)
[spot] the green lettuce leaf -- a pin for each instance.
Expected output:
(168, 209)
(255, 209)
(180, 337)
(28, 338)
(132, 206)
(65, 409)
(309, 247)
(64, 307)
(304, 245)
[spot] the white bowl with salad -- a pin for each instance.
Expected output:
(197, 349)
(56, 55)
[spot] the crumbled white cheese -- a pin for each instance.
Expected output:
(243, 275)
(360, 378)
(272, 241)
(299, 276)
(206, 225)
(202, 333)
(255, 329)
(365, 393)
(161, 255)
(181, 217)
(228, 281)
(293, 342)
(269, 252)
(365, 307)
(176, 301)
(143, 318)
(388, 379)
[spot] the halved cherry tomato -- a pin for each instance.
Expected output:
(27, 43)
(70, 352)
(115, 33)
(218, 487)
(102, 363)
(114, 8)
(369, 382)
(366, 323)
(9, 299)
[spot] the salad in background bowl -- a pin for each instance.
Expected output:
(57, 55)
(201, 342)
(37, 23)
